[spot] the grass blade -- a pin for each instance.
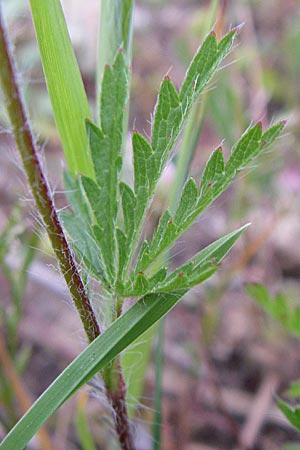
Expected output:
(139, 318)
(64, 83)
(115, 31)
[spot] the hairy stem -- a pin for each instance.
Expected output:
(39, 188)
(116, 393)
(41, 194)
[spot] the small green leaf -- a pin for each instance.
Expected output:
(292, 414)
(105, 160)
(213, 171)
(187, 202)
(158, 277)
(112, 101)
(122, 242)
(203, 65)
(225, 44)
(278, 307)
(246, 149)
(143, 256)
(271, 134)
(259, 293)
(76, 197)
(163, 236)
(128, 208)
(172, 283)
(167, 122)
(144, 173)
(107, 256)
(293, 390)
(105, 229)
(141, 285)
(84, 245)
(202, 273)
(200, 70)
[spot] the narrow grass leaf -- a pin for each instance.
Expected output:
(203, 264)
(64, 83)
(115, 31)
(139, 318)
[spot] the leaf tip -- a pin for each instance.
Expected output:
(238, 28)
(283, 123)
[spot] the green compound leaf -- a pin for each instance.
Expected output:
(170, 113)
(216, 177)
(122, 332)
(64, 83)
(105, 144)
